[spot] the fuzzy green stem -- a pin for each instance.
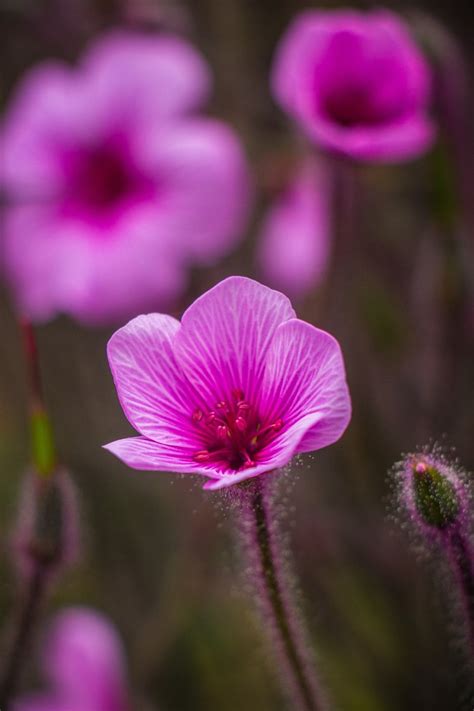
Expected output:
(277, 601)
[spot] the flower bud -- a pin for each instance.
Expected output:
(436, 495)
(47, 530)
(436, 499)
(433, 491)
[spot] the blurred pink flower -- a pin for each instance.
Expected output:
(233, 391)
(84, 662)
(295, 238)
(357, 83)
(113, 184)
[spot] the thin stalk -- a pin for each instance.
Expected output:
(41, 557)
(42, 444)
(462, 559)
(273, 589)
(22, 637)
(345, 218)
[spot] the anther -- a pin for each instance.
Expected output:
(197, 415)
(277, 425)
(248, 461)
(241, 424)
(223, 431)
(202, 456)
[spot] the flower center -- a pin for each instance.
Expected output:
(233, 433)
(354, 104)
(103, 180)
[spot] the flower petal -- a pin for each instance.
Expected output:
(196, 160)
(147, 455)
(225, 335)
(43, 113)
(294, 247)
(146, 77)
(44, 703)
(295, 57)
(59, 265)
(393, 142)
(305, 375)
(152, 389)
(84, 659)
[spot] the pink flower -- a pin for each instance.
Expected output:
(233, 391)
(356, 83)
(84, 662)
(112, 181)
(295, 239)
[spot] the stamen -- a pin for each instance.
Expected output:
(202, 456)
(277, 425)
(232, 433)
(248, 461)
(238, 395)
(223, 431)
(241, 424)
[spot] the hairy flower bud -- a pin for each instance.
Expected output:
(47, 530)
(436, 498)
(433, 492)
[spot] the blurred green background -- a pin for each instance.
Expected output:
(158, 555)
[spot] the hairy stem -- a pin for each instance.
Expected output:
(463, 561)
(273, 589)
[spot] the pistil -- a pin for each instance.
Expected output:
(232, 433)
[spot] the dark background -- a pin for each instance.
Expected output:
(157, 552)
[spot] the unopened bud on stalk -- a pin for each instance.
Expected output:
(436, 496)
(47, 532)
(433, 491)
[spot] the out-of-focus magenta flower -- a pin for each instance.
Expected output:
(295, 239)
(233, 391)
(84, 662)
(357, 83)
(112, 182)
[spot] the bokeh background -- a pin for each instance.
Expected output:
(157, 552)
